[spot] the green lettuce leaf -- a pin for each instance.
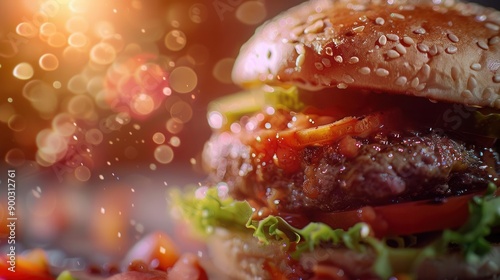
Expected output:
(486, 124)
(211, 208)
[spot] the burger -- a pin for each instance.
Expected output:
(362, 146)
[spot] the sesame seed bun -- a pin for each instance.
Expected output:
(240, 256)
(441, 50)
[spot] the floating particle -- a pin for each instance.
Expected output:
(181, 111)
(104, 29)
(26, 29)
(94, 136)
(142, 104)
(16, 123)
(159, 138)
(175, 40)
(48, 62)
(50, 142)
(198, 13)
(222, 70)
(23, 71)
(64, 124)
(78, 84)
(251, 12)
(57, 40)
(82, 173)
(174, 125)
(164, 154)
(15, 157)
(215, 119)
(183, 79)
(47, 29)
(81, 106)
(102, 53)
(41, 95)
(78, 40)
(175, 141)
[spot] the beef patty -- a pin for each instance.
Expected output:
(352, 172)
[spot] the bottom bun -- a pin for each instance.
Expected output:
(240, 256)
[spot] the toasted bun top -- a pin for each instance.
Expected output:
(439, 49)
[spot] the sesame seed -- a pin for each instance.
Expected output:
(319, 65)
(401, 49)
(408, 40)
(329, 51)
(326, 62)
(393, 54)
(379, 21)
(472, 83)
(421, 86)
(487, 93)
(315, 27)
(353, 60)
(481, 18)
(381, 72)
(415, 82)
(315, 17)
(392, 37)
(453, 37)
(483, 45)
(347, 79)
(423, 48)
(342, 86)
(339, 59)
(401, 81)
(426, 70)
(358, 29)
(492, 26)
(300, 49)
(451, 49)
(363, 18)
(300, 60)
(454, 73)
(496, 78)
(494, 40)
(475, 66)
(397, 16)
(466, 94)
(382, 40)
(419, 31)
(364, 70)
(433, 50)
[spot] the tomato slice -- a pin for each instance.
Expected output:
(403, 218)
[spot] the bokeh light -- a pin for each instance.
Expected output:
(47, 29)
(251, 12)
(183, 79)
(48, 62)
(222, 70)
(23, 71)
(103, 53)
(164, 154)
(26, 29)
(175, 40)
